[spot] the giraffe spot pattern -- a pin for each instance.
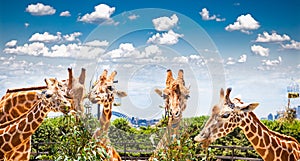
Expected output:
(34, 125)
(6, 147)
(270, 154)
(16, 139)
(26, 135)
(22, 99)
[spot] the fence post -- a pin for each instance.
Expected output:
(232, 153)
(125, 150)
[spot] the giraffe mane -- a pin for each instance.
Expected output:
(281, 136)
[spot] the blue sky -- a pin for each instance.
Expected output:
(252, 46)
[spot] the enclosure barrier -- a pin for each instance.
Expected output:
(130, 151)
(233, 155)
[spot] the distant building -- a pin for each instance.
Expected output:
(270, 117)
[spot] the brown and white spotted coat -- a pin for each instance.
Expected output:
(103, 93)
(175, 95)
(227, 115)
(15, 135)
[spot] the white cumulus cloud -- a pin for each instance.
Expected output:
(272, 62)
(35, 49)
(293, 45)
(180, 59)
(11, 43)
(206, 16)
(165, 23)
(26, 24)
(40, 9)
(167, 38)
(133, 17)
(45, 37)
(98, 43)
(244, 23)
(259, 50)
(65, 14)
(125, 49)
(243, 58)
(101, 14)
(72, 37)
(274, 37)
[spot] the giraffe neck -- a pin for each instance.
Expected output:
(106, 116)
(13, 105)
(170, 134)
(268, 144)
(16, 133)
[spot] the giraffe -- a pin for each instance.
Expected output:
(175, 95)
(103, 93)
(229, 114)
(13, 104)
(15, 135)
(76, 90)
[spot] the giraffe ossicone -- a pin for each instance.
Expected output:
(229, 114)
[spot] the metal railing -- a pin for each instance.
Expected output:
(131, 151)
(233, 155)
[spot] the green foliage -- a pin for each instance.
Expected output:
(72, 139)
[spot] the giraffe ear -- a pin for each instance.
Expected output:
(158, 91)
(248, 107)
(121, 94)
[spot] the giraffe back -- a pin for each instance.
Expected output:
(13, 105)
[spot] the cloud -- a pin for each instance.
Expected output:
(293, 45)
(89, 50)
(242, 59)
(26, 24)
(274, 37)
(274, 62)
(259, 50)
(124, 50)
(45, 37)
(11, 43)
(230, 61)
(101, 14)
(65, 14)
(72, 37)
(34, 49)
(244, 23)
(165, 23)
(133, 17)
(167, 38)
(180, 59)
(40, 9)
(97, 43)
(205, 16)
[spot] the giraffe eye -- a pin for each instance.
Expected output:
(110, 88)
(226, 115)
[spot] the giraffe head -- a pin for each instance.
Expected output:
(103, 90)
(57, 97)
(225, 117)
(175, 94)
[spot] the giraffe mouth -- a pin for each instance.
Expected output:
(205, 142)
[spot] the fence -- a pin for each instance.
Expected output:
(233, 155)
(131, 151)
